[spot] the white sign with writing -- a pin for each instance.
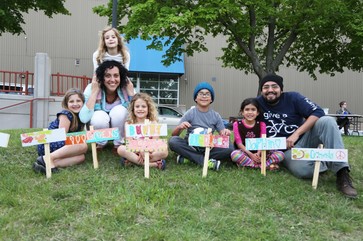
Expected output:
(4, 139)
(313, 154)
(277, 143)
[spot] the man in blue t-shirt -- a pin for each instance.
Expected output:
(302, 122)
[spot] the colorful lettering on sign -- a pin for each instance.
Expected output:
(204, 140)
(149, 145)
(146, 130)
(42, 137)
(313, 154)
(276, 143)
(103, 135)
(76, 138)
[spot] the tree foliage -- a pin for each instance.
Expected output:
(261, 35)
(11, 12)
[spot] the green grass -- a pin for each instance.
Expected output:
(115, 203)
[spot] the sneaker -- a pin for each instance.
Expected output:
(344, 183)
(214, 164)
(39, 168)
(162, 164)
(181, 160)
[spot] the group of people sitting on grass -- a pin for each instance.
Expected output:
(110, 101)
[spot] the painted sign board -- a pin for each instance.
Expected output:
(276, 143)
(313, 154)
(42, 137)
(4, 139)
(146, 130)
(102, 135)
(76, 138)
(146, 145)
(204, 140)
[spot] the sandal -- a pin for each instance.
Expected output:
(273, 167)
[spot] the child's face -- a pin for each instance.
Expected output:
(250, 112)
(110, 39)
(140, 109)
(204, 98)
(74, 103)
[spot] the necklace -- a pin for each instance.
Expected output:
(113, 100)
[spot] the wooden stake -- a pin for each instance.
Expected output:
(147, 158)
(48, 170)
(316, 171)
(94, 152)
(206, 156)
(263, 159)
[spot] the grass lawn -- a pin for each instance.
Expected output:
(115, 203)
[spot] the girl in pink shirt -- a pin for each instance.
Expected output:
(251, 127)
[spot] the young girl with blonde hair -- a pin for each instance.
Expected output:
(142, 107)
(111, 47)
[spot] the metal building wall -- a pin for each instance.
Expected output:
(232, 86)
(64, 37)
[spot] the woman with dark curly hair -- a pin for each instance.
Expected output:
(107, 99)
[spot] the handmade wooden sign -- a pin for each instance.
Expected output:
(143, 145)
(137, 140)
(277, 143)
(42, 137)
(76, 138)
(205, 140)
(313, 154)
(4, 139)
(318, 155)
(146, 130)
(263, 144)
(102, 135)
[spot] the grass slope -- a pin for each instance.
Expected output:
(115, 203)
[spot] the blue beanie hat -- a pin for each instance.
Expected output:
(203, 85)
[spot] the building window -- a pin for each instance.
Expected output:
(163, 88)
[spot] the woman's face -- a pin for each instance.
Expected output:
(110, 39)
(112, 79)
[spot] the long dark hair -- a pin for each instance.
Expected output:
(101, 71)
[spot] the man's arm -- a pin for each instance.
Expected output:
(308, 124)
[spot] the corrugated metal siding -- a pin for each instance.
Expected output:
(232, 86)
(66, 38)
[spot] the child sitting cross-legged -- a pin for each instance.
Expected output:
(142, 107)
(197, 120)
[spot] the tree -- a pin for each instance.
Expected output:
(11, 12)
(261, 35)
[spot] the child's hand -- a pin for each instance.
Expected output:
(225, 132)
(184, 125)
(130, 88)
(255, 157)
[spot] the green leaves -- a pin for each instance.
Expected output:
(323, 35)
(11, 12)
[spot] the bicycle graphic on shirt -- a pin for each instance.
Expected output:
(275, 128)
